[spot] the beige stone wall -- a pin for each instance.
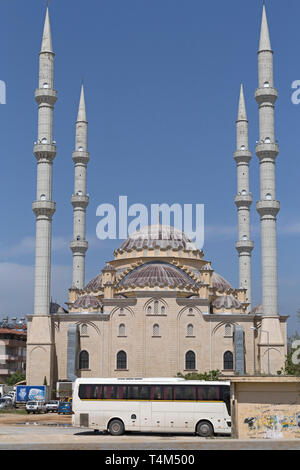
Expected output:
(267, 410)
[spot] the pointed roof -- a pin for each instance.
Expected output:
(265, 42)
(47, 39)
(242, 114)
(82, 110)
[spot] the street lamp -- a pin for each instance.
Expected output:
(268, 339)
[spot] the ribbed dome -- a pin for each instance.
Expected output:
(158, 236)
(160, 274)
(220, 283)
(86, 301)
(95, 284)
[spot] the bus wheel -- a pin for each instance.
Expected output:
(204, 429)
(116, 427)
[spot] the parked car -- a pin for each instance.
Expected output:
(65, 407)
(36, 407)
(6, 403)
(52, 406)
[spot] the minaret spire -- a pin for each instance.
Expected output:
(47, 37)
(265, 42)
(268, 206)
(243, 199)
(80, 200)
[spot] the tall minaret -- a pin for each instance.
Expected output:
(45, 152)
(268, 207)
(243, 199)
(40, 346)
(80, 200)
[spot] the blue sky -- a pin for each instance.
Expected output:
(162, 81)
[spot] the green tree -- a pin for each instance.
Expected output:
(15, 378)
(211, 375)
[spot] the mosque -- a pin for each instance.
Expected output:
(158, 307)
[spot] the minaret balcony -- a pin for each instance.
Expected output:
(244, 246)
(81, 201)
(242, 156)
(266, 95)
(243, 201)
(265, 150)
(268, 209)
(81, 157)
(79, 246)
(45, 95)
(44, 151)
(44, 208)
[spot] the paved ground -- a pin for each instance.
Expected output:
(53, 432)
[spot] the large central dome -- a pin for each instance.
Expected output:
(158, 236)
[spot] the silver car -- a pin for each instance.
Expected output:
(5, 403)
(36, 407)
(52, 406)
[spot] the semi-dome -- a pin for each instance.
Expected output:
(158, 236)
(95, 284)
(227, 302)
(220, 283)
(87, 301)
(157, 274)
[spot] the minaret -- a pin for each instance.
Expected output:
(80, 199)
(40, 334)
(243, 199)
(45, 152)
(268, 207)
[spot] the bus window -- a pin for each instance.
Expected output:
(211, 392)
(156, 393)
(109, 392)
(121, 392)
(85, 392)
(168, 392)
(133, 392)
(178, 393)
(144, 392)
(189, 393)
(96, 392)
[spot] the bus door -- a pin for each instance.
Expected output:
(145, 408)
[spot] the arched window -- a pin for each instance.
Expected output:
(163, 310)
(149, 309)
(191, 311)
(269, 197)
(155, 307)
(267, 140)
(156, 330)
(228, 330)
(121, 360)
(84, 329)
(44, 141)
(190, 360)
(121, 311)
(122, 330)
(228, 360)
(83, 360)
(190, 330)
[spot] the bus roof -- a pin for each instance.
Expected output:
(150, 380)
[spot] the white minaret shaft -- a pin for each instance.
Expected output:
(80, 199)
(243, 199)
(45, 152)
(267, 151)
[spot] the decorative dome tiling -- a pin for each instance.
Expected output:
(156, 273)
(158, 236)
(87, 301)
(220, 283)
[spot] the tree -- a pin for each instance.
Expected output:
(211, 375)
(15, 378)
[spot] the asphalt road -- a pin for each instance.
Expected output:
(63, 437)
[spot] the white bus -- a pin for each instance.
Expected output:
(152, 405)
